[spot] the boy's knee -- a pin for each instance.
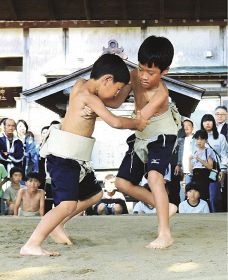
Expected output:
(118, 209)
(154, 176)
(69, 206)
(101, 209)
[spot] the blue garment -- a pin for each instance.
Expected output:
(65, 174)
(159, 155)
(14, 149)
(31, 160)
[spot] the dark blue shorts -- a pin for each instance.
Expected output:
(65, 174)
(159, 155)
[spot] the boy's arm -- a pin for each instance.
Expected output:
(154, 104)
(42, 202)
(117, 100)
(114, 121)
(17, 202)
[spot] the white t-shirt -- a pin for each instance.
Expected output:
(204, 154)
(140, 208)
(187, 151)
(201, 207)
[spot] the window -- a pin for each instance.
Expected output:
(11, 64)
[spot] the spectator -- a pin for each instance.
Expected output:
(201, 163)
(11, 147)
(30, 161)
(31, 154)
(45, 177)
(193, 204)
(173, 185)
(30, 198)
(217, 142)
(221, 118)
(112, 202)
(141, 207)
(22, 128)
(185, 150)
(10, 193)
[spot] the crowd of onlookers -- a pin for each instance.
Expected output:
(196, 179)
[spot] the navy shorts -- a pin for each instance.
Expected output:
(65, 174)
(159, 155)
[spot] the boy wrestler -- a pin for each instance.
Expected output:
(69, 147)
(30, 198)
(150, 150)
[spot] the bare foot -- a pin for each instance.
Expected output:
(172, 210)
(163, 241)
(59, 236)
(36, 251)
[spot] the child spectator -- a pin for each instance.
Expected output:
(10, 193)
(30, 199)
(193, 204)
(144, 208)
(201, 163)
(112, 202)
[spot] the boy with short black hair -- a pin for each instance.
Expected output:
(30, 199)
(193, 204)
(10, 193)
(69, 146)
(150, 151)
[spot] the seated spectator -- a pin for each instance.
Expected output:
(10, 193)
(112, 202)
(143, 208)
(30, 199)
(193, 204)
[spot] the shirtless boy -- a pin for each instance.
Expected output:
(30, 199)
(69, 147)
(150, 150)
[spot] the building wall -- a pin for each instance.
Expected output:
(61, 51)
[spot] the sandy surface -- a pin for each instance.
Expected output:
(113, 248)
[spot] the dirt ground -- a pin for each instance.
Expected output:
(112, 247)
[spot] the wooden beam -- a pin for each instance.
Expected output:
(52, 9)
(87, 10)
(162, 10)
(124, 9)
(110, 23)
(197, 9)
(11, 9)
